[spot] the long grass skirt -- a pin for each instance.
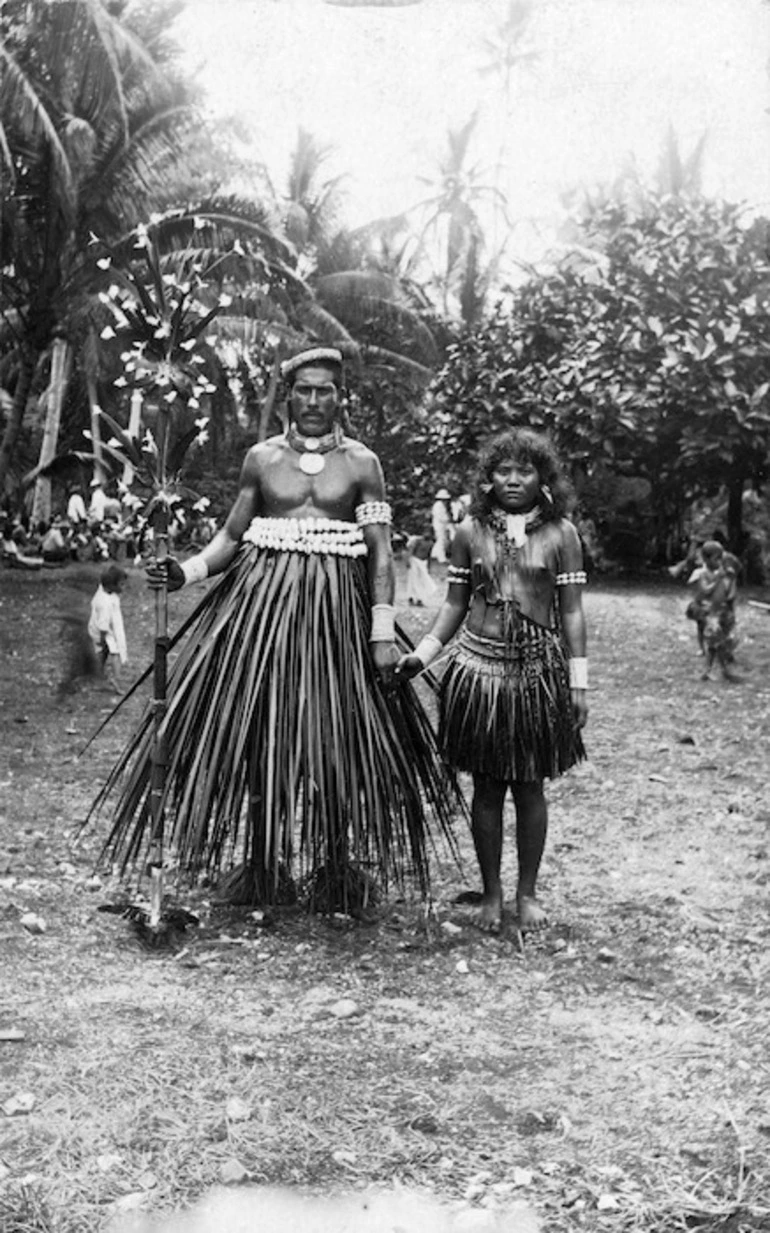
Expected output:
(283, 747)
(505, 708)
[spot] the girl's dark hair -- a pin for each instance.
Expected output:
(112, 576)
(527, 446)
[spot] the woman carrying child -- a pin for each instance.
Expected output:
(513, 695)
(715, 584)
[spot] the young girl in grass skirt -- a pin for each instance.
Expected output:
(512, 696)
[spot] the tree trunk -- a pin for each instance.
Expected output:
(61, 356)
(134, 429)
(735, 514)
(266, 409)
(27, 363)
(100, 472)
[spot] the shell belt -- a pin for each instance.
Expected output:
(327, 536)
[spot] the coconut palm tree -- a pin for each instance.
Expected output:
(89, 129)
(453, 229)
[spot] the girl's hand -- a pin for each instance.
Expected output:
(408, 666)
(579, 707)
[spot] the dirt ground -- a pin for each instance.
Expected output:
(614, 1072)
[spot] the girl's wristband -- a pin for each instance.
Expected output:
(195, 570)
(578, 673)
(428, 649)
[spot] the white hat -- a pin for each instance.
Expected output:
(311, 355)
(443, 495)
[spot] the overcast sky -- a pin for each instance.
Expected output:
(384, 85)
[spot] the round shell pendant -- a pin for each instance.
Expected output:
(311, 464)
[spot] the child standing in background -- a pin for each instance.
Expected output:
(105, 627)
(713, 606)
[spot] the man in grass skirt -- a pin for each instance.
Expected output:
(289, 747)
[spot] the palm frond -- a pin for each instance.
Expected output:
(20, 99)
(380, 357)
(324, 325)
(362, 298)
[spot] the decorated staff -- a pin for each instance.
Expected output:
(157, 313)
(288, 747)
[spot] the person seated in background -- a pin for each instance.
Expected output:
(100, 548)
(55, 546)
(14, 555)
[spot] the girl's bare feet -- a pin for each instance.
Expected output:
(532, 918)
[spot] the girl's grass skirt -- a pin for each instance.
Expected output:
(505, 707)
(283, 748)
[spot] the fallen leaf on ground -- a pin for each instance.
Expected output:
(237, 1110)
(107, 1161)
(606, 1202)
(21, 1103)
(343, 1156)
(130, 1202)
(233, 1173)
(344, 1009)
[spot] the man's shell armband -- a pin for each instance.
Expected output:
(370, 512)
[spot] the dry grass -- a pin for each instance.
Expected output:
(614, 1072)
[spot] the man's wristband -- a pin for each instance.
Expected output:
(383, 623)
(578, 673)
(428, 649)
(195, 570)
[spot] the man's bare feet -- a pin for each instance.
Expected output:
(532, 918)
(490, 917)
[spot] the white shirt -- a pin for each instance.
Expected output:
(98, 505)
(76, 509)
(106, 623)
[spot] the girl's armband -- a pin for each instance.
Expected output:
(458, 573)
(575, 577)
(428, 649)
